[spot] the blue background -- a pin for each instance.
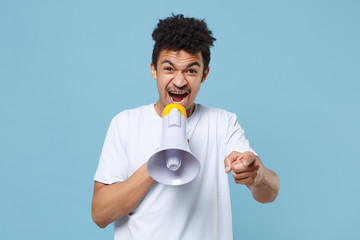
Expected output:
(289, 69)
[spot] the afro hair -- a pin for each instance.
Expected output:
(181, 33)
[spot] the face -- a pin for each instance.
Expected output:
(179, 75)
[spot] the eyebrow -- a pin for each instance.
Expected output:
(189, 65)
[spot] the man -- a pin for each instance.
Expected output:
(125, 194)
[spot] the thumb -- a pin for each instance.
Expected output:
(247, 159)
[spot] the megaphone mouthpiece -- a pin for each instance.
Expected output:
(172, 106)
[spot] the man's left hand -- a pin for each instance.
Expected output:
(247, 168)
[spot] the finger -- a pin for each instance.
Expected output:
(229, 160)
(246, 181)
(244, 175)
(238, 167)
(248, 158)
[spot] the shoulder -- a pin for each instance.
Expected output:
(134, 114)
(215, 113)
(217, 119)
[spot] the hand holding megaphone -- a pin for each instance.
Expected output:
(173, 163)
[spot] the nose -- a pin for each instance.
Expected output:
(179, 80)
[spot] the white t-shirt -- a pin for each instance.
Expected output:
(198, 210)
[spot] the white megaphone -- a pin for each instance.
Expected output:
(173, 163)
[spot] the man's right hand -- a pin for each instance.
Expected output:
(113, 201)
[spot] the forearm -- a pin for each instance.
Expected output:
(111, 202)
(267, 189)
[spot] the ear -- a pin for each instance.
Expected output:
(153, 71)
(205, 74)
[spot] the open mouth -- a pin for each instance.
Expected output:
(177, 97)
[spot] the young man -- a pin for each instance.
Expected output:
(125, 194)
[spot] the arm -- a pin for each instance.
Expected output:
(250, 171)
(111, 202)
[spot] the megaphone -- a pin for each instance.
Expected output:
(173, 163)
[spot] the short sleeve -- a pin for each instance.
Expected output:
(235, 137)
(113, 164)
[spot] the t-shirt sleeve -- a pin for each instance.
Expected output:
(235, 137)
(113, 164)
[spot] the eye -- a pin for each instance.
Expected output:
(168, 69)
(191, 71)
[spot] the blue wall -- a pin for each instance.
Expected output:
(289, 69)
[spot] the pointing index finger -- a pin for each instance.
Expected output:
(232, 157)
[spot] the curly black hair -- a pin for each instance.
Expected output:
(182, 33)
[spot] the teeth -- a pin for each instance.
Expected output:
(177, 93)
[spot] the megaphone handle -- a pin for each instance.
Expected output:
(174, 119)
